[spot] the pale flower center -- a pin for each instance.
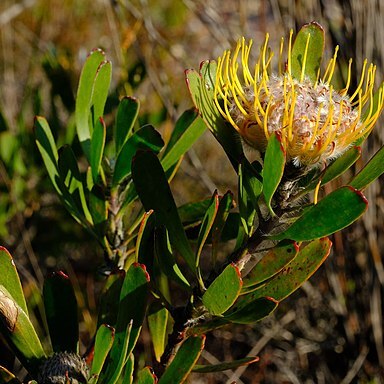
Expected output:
(311, 119)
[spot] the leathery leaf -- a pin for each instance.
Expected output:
(295, 273)
(307, 52)
(185, 359)
(9, 278)
(223, 291)
(61, 312)
(324, 218)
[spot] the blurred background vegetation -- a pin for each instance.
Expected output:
(331, 331)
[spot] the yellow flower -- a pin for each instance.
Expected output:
(315, 122)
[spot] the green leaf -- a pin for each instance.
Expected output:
(97, 148)
(146, 138)
(7, 377)
(223, 291)
(225, 205)
(341, 164)
(274, 163)
(61, 312)
(201, 87)
(132, 309)
(182, 125)
(84, 98)
(166, 260)
(206, 225)
(203, 328)
(307, 52)
(294, 274)
(334, 212)
(247, 209)
(133, 301)
(185, 359)
(9, 278)
(74, 195)
(157, 323)
(128, 196)
(98, 207)
(146, 376)
(251, 311)
(18, 330)
(251, 181)
(335, 169)
(371, 171)
(231, 227)
(103, 343)
(47, 147)
(225, 365)
(154, 192)
(192, 213)
(100, 91)
(118, 361)
(189, 127)
(145, 243)
(109, 301)
(241, 313)
(127, 113)
(128, 372)
(271, 263)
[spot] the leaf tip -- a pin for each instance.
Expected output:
(360, 194)
(144, 268)
(96, 50)
(314, 23)
(271, 299)
(59, 274)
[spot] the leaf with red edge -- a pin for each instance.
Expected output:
(61, 312)
(334, 212)
(295, 273)
(223, 291)
(146, 376)
(271, 263)
(103, 343)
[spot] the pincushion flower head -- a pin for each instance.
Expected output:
(314, 121)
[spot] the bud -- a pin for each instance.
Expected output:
(63, 368)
